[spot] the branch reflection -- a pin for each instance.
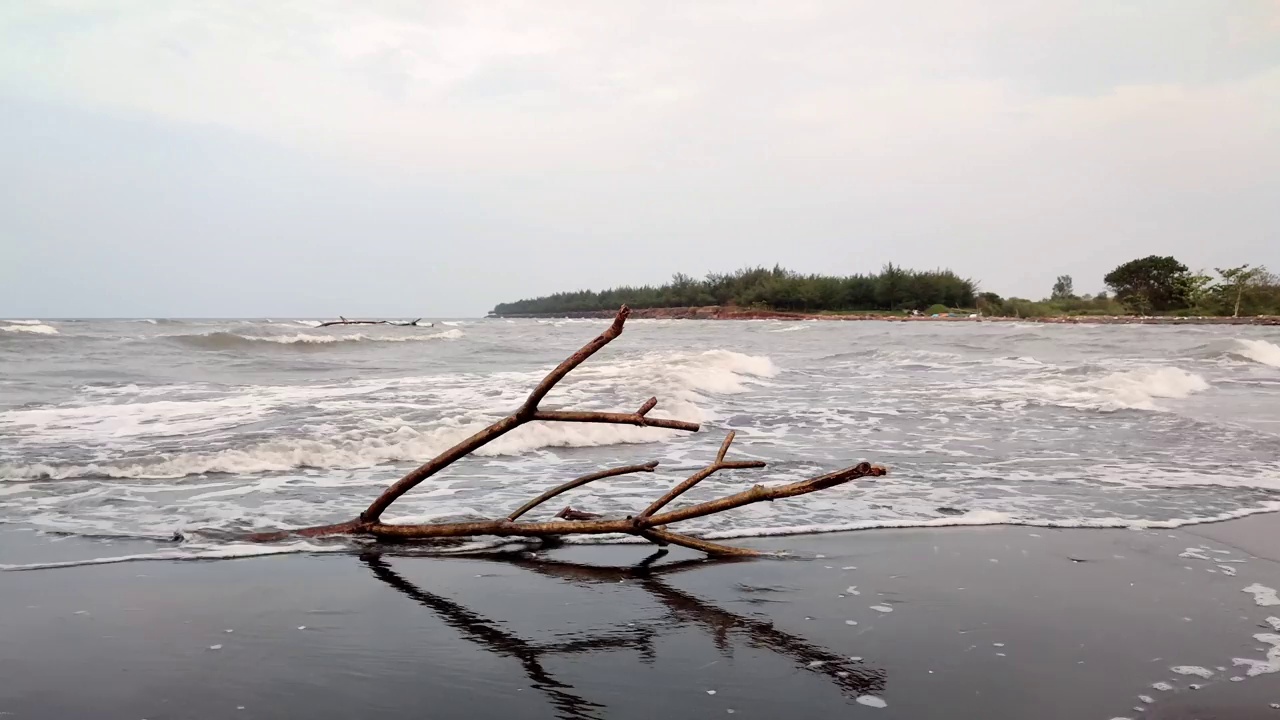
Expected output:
(684, 610)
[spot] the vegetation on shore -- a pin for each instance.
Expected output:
(1152, 285)
(893, 288)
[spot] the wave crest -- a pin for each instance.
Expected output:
(35, 327)
(231, 341)
(1259, 351)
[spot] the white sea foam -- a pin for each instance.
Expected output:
(791, 328)
(405, 444)
(1262, 667)
(217, 552)
(161, 418)
(1262, 595)
(1132, 389)
(682, 381)
(1196, 670)
(1138, 388)
(35, 328)
(1259, 351)
(23, 322)
(993, 517)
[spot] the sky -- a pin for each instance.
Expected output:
(419, 158)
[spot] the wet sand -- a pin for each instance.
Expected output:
(978, 622)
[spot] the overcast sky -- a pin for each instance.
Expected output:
(434, 158)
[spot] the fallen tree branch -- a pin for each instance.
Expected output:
(649, 524)
(699, 476)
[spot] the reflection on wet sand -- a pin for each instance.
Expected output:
(684, 612)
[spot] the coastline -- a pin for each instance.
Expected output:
(999, 622)
(715, 312)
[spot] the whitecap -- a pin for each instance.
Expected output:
(1259, 351)
(36, 328)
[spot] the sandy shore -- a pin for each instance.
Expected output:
(979, 622)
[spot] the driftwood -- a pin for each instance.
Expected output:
(343, 321)
(649, 524)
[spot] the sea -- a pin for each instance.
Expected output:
(135, 439)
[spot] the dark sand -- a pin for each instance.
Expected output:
(993, 623)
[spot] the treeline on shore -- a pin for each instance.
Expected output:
(1145, 286)
(893, 288)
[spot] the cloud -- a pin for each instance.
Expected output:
(1011, 141)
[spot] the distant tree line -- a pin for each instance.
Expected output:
(893, 288)
(1159, 285)
(1150, 285)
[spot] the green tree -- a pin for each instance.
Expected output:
(1150, 284)
(1197, 287)
(1063, 288)
(1238, 281)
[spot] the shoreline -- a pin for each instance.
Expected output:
(994, 622)
(714, 312)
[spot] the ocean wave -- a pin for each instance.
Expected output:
(231, 341)
(1259, 351)
(791, 328)
(1133, 389)
(681, 376)
(34, 327)
(403, 445)
(1140, 387)
(995, 517)
(682, 381)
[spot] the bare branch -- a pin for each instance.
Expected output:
(579, 482)
(583, 416)
(627, 526)
(760, 493)
(573, 361)
(527, 412)
(724, 446)
(436, 464)
(662, 537)
(701, 475)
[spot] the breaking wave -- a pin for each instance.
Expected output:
(231, 341)
(403, 445)
(682, 380)
(1139, 388)
(1259, 351)
(1135, 389)
(34, 327)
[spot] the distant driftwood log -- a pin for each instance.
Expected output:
(343, 321)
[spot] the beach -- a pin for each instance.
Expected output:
(1076, 522)
(976, 622)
